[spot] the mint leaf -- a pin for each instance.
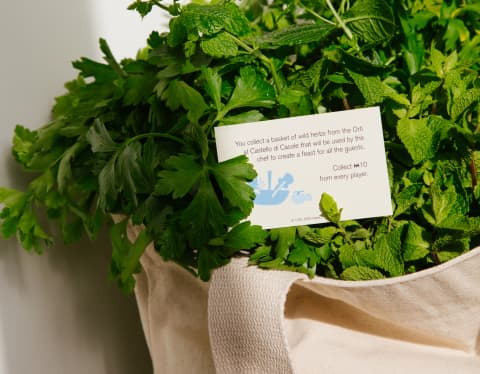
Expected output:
(420, 138)
(321, 235)
(296, 34)
(386, 254)
(207, 20)
(465, 100)
(329, 208)
(220, 45)
(449, 207)
(356, 273)
(371, 20)
(417, 243)
(351, 256)
(422, 98)
(134, 136)
(375, 91)
(406, 198)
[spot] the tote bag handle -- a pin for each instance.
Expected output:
(429, 319)
(245, 318)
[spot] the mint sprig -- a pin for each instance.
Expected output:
(135, 137)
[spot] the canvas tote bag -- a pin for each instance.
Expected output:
(247, 320)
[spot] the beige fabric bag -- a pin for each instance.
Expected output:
(246, 320)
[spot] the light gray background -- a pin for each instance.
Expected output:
(58, 312)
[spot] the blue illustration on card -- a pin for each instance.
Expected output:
(270, 192)
(276, 192)
(300, 197)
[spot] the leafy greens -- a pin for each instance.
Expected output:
(135, 137)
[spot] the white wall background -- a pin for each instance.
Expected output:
(58, 312)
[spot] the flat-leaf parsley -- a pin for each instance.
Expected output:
(135, 137)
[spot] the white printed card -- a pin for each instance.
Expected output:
(299, 158)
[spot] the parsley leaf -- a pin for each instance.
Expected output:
(136, 136)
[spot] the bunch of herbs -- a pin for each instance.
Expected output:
(135, 137)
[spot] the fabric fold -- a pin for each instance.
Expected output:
(245, 317)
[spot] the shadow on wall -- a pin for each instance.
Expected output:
(58, 312)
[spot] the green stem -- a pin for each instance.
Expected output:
(161, 6)
(155, 135)
(344, 233)
(218, 118)
(111, 59)
(315, 14)
(263, 58)
(473, 169)
(339, 20)
(273, 70)
(345, 4)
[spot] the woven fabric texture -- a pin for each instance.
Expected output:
(248, 321)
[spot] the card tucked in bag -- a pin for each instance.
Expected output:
(247, 320)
